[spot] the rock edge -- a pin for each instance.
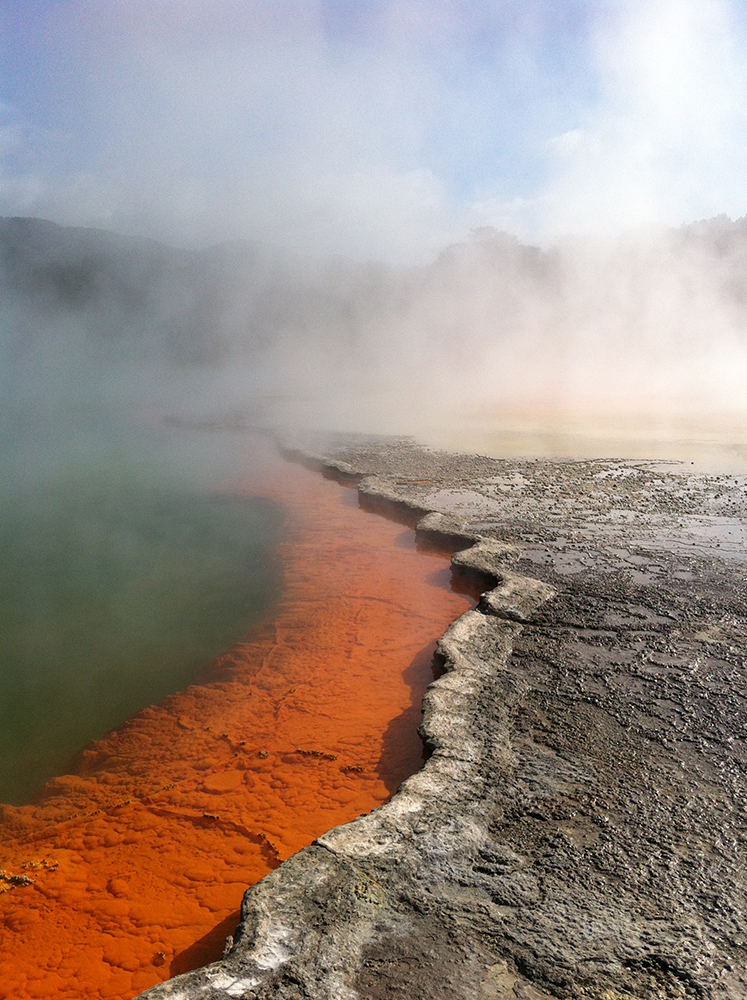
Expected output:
(579, 828)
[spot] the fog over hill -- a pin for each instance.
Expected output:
(653, 325)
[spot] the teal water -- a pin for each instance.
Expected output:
(125, 565)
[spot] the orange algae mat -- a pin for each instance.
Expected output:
(132, 869)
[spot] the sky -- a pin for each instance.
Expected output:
(379, 129)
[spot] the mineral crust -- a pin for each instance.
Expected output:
(579, 828)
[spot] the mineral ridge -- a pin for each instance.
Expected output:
(578, 830)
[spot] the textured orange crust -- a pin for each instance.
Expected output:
(132, 869)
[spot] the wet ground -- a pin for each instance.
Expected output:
(580, 828)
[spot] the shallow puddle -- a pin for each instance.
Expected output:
(132, 869)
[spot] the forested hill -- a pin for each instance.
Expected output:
(651, 312)
(190, 307)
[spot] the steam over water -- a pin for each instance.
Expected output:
(469, 223)
(126, 563)
(111, 598)
(116, 584)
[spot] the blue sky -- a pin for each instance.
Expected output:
(378, 128)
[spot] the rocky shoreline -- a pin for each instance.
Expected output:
(580, 827)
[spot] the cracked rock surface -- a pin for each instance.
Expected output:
(579, 830)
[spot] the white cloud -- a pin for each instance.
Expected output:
(568, 143)
(198, 121)
(662, 143)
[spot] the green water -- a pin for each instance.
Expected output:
(117, 581)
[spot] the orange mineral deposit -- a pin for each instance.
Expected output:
(132, 869)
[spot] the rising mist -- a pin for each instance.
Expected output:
(398, 216)
(642, 335)
(472, 226)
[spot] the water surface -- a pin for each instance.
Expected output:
(132, 868)
(125, 565)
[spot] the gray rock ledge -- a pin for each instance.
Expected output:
(579, 829)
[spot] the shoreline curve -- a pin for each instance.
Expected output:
(566, 836)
